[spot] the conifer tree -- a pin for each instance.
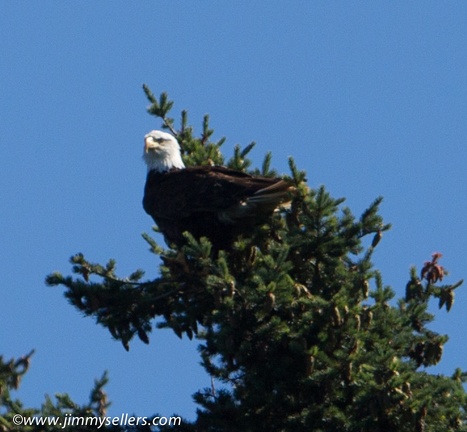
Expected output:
(296, 327)
(13, 413)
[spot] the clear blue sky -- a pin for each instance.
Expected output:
(369, 97)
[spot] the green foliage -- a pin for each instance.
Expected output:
(52, 413)
(295, 324)
(11, 373)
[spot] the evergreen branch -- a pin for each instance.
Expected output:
(206, 131)
(183, 122)
(160, 108)
(297, 175)
(247, 149)
(265, 169)
(149, 94)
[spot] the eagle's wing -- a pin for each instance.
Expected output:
(182, 193)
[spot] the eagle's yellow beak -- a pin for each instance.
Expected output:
(149, 143)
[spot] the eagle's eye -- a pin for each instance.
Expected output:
(158, 140)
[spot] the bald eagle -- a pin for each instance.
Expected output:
(208, 201)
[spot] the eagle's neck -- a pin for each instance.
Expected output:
(165, 164)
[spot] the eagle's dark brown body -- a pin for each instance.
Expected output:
(215, 202)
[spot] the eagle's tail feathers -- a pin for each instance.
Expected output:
(262, 202)
(275, 194)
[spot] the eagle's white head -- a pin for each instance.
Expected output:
(161, 151)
